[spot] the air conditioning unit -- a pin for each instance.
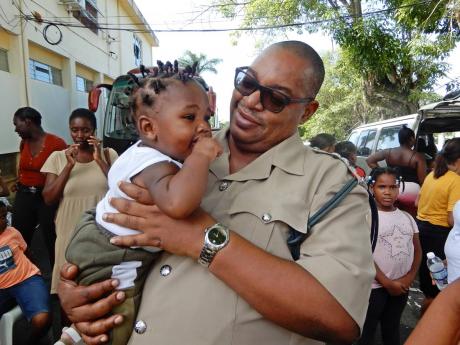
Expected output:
(74, 5)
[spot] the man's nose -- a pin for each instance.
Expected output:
(253, 101)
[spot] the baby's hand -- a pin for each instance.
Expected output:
(208, 147)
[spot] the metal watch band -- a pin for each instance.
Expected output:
(206, 256)
(209, 251)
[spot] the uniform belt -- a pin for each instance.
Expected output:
(28, 189)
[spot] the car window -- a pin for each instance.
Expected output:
(388, 138)
(361, 146)
(366, 148)
(354, 137)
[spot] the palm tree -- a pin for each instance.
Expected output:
(204, 64)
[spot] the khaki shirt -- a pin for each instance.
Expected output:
(183, 303)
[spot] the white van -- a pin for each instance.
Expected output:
(439, 121)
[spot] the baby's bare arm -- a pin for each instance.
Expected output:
(178, 192)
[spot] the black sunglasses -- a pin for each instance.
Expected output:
(271, 99)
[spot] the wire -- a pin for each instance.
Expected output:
(155, 24)
(52, 23)
(452, 80)
(41, 31)
(32, 18)
(187, 22)
(265, 27)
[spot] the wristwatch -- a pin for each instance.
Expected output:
(216, 237)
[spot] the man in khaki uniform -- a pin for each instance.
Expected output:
(250, 291)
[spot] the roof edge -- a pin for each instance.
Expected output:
(150, 34)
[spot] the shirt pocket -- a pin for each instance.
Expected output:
(261, 216)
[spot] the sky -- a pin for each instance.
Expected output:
(192, 14)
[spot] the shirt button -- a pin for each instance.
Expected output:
(140, 327)
(165, 270)
(223, 186)
(266, 217)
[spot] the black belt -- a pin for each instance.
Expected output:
(28, 189)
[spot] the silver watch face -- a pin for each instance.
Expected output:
(217, 236)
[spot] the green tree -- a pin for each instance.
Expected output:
(343, 104)
(203, 63)
(395, 46)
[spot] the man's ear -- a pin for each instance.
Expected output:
(147, 127)
(310, 109)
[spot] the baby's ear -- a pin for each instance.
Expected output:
(148, 127)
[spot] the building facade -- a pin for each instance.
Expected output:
(53, 51)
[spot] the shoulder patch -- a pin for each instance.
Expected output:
(345, 161)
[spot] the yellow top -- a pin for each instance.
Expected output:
(438, 197)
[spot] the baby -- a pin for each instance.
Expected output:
(172, 113)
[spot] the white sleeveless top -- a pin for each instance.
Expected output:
(129, 164)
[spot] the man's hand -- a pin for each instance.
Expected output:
(181, 237)
(86, 306)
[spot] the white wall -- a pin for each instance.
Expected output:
(9, 140)
(52, 102)
(78, 45)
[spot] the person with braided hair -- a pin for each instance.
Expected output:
(397, 257)
(411, 165)
(171, 112)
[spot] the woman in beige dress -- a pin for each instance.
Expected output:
(76, 178)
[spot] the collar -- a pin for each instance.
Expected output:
(289, 155)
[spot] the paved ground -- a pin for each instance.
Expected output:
(408, 322)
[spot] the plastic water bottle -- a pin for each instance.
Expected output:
(438, 270)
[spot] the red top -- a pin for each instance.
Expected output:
(360, 171)
(29, 166)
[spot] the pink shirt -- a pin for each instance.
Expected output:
(15, 267)
(394, 252)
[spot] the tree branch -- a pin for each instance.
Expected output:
(334, 4)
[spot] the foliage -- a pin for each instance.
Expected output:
(343, 104)
(396, 46)
(204, 64)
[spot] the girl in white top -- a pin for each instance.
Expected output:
(397, 257)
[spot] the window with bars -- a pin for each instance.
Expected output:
(137, 46)
(83, 84)
(45, 73)
(4, 60)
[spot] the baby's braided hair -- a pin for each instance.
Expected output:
(157, 79)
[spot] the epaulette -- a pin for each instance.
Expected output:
(345, 161)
